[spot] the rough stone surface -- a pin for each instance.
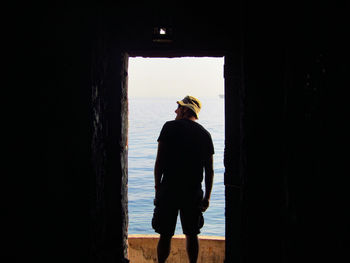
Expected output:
(143, 249)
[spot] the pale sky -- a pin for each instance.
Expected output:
(175, 77)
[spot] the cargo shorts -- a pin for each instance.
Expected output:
(166, 211)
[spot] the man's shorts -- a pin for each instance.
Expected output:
(166, 212)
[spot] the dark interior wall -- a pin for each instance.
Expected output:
(64, 75)
(294, 76)
(288, 169)
(316, 126)
(315, 109)
(85, 201)
(108, 187)
(264, 80)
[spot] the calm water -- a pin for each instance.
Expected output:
(146, 118)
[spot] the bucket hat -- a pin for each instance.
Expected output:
(192, 103)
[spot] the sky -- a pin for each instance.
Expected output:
(175, 77)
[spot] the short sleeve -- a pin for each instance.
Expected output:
(210, 146)
(164, 133)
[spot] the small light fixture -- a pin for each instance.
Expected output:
(162, 34)
(162, 31)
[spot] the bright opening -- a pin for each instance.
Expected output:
(162, 31)
(154, 86)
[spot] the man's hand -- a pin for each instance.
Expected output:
(204, 205)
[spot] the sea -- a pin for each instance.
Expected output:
(146, 119)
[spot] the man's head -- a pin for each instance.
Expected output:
(188, 107)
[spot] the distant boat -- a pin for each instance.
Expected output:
(221, 96)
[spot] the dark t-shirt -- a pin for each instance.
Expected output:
(187, 145)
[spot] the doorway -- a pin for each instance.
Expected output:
(154, 86)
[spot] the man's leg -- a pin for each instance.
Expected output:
(192, 247)
(163, 248)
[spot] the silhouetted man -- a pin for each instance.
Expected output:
(185, 148)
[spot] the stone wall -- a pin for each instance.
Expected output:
(293, 122)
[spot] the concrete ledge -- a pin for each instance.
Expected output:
(143, 249)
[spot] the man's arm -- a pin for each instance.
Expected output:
(209, 177)
(159, 165)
